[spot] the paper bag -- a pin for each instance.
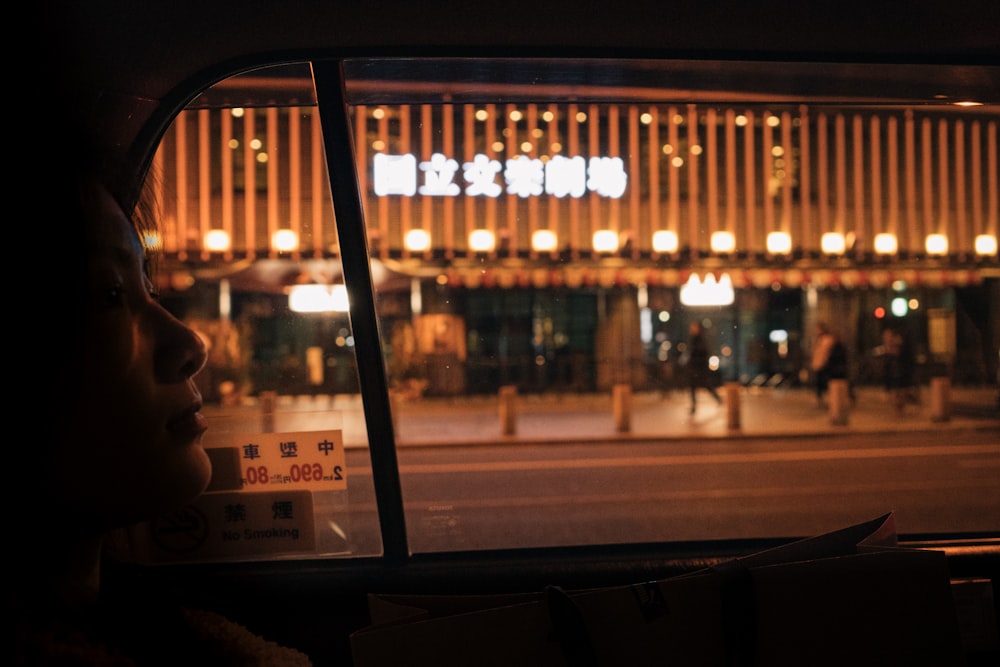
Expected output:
(845, 598)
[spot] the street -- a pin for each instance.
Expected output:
(482, 497)
(568, 478)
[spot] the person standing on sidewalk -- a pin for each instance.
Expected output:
(899, 362)
(698, 371)
(829, 360)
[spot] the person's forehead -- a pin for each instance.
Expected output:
(109, 231)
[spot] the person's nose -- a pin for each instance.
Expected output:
(180, 351)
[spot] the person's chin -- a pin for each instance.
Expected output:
(188, 473)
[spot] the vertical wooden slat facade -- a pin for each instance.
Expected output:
(692, 170)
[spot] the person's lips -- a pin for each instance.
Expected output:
(189, 424)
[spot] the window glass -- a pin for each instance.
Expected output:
(250, 258)
(544, 236)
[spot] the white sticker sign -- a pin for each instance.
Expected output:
(235, 524)
(311, 460)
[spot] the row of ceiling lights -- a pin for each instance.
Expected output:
(608, 241)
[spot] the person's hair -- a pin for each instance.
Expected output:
(67, 172)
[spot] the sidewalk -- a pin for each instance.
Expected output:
(762, 413)
(767, 412)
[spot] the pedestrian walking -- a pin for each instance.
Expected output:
(829, 361)
(699, 374)
(898, 365)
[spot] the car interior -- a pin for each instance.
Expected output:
(425, 235)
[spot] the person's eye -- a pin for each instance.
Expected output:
(115, 295)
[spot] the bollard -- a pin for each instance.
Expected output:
(508, 410)
(622, 404)
(268, 399)
(733, 405)
(940, 399)
(839, 402)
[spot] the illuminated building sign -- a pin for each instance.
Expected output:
(523, 176)
(708, 293)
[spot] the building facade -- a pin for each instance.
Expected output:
(567, 245)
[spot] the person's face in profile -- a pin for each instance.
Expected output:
(133, 443)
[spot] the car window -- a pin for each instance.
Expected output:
(534, 244)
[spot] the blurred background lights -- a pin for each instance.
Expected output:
(936, 244)
(318, 299)
(986, 244)
(482, 240)
(779, 243)
(665, 241)
(899, 306)
(723, 242)
(708, 293)
(217, 240)
(152, 241)
(605, 240)
(285, 240)
(544, 240)
(833, 243)
(885, 244)
(417, 240)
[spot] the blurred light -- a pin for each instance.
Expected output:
(885, 244)
(544, 240)
(152, 241)
(879, 312)
(645, 326)
(417, 240)
(318, 299)
(285, 240)
(778, 335)
(986, 244)
(665, 241)
(913, 304)
(898, 285)
(779, 243)
(642, 296)
(833, 243)
(713, 362)
(899, 306)
(605, 240)
(708, 293)
(664, 316)
(225, 299)
(217, 240)
(936, 244)
(482, 240)
(416, 297)
(723, 242)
